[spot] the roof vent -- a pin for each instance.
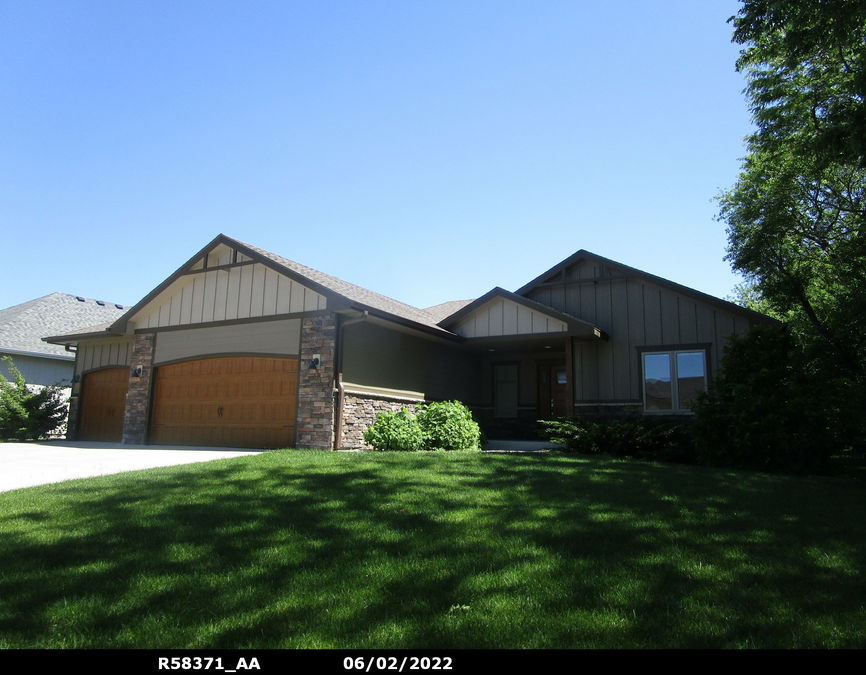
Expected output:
(79, 298)
(119, 306)
(100, 303)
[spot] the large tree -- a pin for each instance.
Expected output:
(795, 217)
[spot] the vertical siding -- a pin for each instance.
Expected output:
(103, 354)
(227, 294)
(652, 308)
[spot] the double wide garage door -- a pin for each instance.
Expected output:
(245, 402)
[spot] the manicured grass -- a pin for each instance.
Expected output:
(447, 550)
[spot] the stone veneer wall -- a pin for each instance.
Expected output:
(138, 394)
(360, 411)
(315, 426)
(72, 419)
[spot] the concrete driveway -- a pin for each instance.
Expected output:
(27, 464)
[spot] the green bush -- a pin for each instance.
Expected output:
(395, 431)
(25, 414)
(436, 426)
(645, 438)
(448, 426)
(773, 408)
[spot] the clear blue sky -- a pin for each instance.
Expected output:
(428, 150)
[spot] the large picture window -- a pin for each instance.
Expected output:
(672, 379)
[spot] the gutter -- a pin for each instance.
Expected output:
(341, 392)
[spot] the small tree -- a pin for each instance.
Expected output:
(27, 414)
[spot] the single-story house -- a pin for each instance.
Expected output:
(23, 326)
(241, 347)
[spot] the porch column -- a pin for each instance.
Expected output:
(315, 425)
(138, 395)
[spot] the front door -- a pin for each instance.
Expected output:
(552, 390)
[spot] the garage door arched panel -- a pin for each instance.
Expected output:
(245, 402)
(103, 403)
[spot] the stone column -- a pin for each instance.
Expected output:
(138, 395)
(315, 426)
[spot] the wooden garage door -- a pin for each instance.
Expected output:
(103, 402)
(243, 402)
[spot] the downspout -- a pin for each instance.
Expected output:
(338, 408)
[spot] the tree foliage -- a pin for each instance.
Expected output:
(795, 230)
(27, 414)
(795, 217)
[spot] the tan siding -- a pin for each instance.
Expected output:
(268, 337)
(233, 293)
(221, 300)
(103, 354)
(741, 325)
(257, 294)
(506, 317)
(589, 372)
(210, 281)
(496, 319)
(272, 280)
(245, 292)
(284, 294)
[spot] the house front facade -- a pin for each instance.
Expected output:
(241, 347)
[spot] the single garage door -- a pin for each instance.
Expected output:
(242, 402)
(103, 402)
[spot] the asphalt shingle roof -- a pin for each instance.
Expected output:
(23, 326)
(443, 310)
(352, 292)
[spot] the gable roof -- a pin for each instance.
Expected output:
(23, 326)
(645, 276)
(346, 294)
(575, 326)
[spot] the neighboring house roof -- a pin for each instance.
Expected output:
(23, 326)
(443, 310)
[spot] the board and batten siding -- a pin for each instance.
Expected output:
(243, 292)
(280, 338)
(634, 313)
(501, 316)
(103, 354)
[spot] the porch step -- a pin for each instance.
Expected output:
(520, 446)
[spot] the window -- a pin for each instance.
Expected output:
(505, 378)
(672, 379)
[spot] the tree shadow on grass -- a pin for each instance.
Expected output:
(437, 551)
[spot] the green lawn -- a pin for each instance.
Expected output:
(317, 549)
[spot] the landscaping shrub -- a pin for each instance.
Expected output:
(645, 438)
(436, 426)
(771, 408)
(395, 431)
(27, 414)
(449, 426)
